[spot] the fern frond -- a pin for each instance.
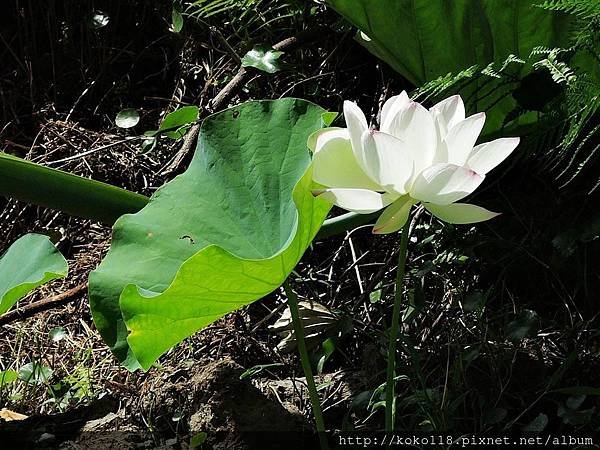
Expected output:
(441, 84)
(584, 9)
(560, 71)
(244, 14)
(491, 71)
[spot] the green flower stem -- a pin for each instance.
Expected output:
(306, 367)
(391, 367)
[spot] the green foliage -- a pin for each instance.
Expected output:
(262, 57)
(175, 124)
(579, 73)
(245, 15)
(559, 70)
(79, 384)
(462, 374)
(220, 236)
(29, 262)
(489, 87)
(328, 348)
(558, 96)
(127, 118)
(176, 18)
(319, 323)
(81, 197)
(584, 9)
(481, 55)
(7, 377)
(329, 117)
(34, 373)
(214, 283)
(208, 8)
(255, 370)
(426, 39)
(78, 196)
(198, 439)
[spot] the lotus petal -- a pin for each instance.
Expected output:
(391, 108)
(462, 137)
(389, 161)
(315, 138)
(357, 125)
(334, 164)
(488, 155)
(415, 126)
(445, 183)
(361, 201)
(448, 113)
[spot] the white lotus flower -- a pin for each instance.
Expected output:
(418, 155)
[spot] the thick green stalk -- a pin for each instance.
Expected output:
(55, 189)
(345, 222)
(391, 367)
(306, 367)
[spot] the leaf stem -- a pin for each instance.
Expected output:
(21, 179)
(306, 367)
(32, 183)
(391, 367)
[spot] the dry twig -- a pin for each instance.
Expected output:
(43, 305)
(236, 83)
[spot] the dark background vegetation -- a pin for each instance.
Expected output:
(503, 333)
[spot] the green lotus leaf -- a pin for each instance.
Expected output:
(29, 262)
(211, 284)
(223, 234)
(427, 39)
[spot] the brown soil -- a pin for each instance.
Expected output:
(211, 399)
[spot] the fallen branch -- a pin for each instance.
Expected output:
(42, 305)
(230, 89)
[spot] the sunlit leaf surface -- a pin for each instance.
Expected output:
(28, 263)
(220, 236)
(127, 118)
(263, 58)
(426, 39)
